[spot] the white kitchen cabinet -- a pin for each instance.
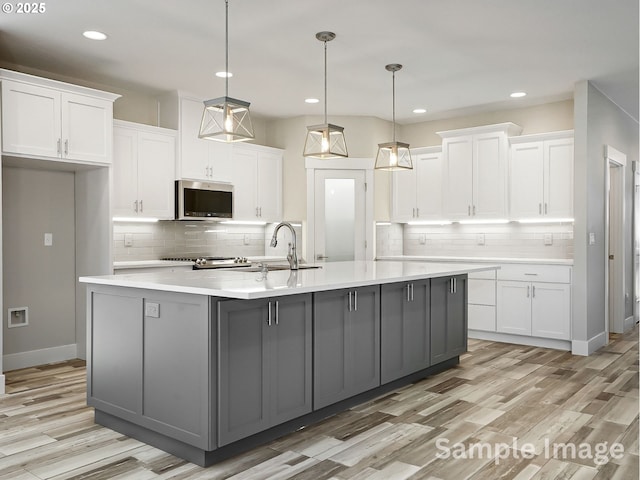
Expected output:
(475, 171)
(481, 300)
(541, 176)
(198, 159)
(54, 120)
(417, 194)
(257, 182)
(143, 170)
(535, 300)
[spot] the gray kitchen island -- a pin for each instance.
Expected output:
(207, 364)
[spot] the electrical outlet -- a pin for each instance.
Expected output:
(152, 310)
(246, 240)
(592, 238)
(548, 239)
(480, 239)
(48, 239)
(128, 240)
(422, 239)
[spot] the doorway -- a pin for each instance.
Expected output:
(614, 241)
(636, 241)
(339, 223)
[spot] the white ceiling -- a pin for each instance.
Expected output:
(459, 56)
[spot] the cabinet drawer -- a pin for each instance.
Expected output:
(482, 292)
(482, 317)
(488, 275)
(535, 273)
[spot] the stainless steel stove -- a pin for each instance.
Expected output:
(207, 262)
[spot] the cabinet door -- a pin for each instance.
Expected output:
(448, 317)
(243, 374)
(526, 180)
(194, 151)
(457, 156)
(87, 126)
(403, 195)
(245, 205)
(551, 310)
(176, 372)
(220, 161)
(269, 186)
(489, 175)
(513, 313)
(156, 170)
(428, 186)
(290, 358)
(330, 347)
(363, 372)
(404, 329)
(125, 172)
(558, 187)
(31, 122)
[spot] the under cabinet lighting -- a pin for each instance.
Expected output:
(518, 94)
(224, 74)
(312, 100)
(495, 221)
(419, 110)
(545, 220)
(136, 219)
(242, 222)
(383, 224)
(430, 222)
(94, 35)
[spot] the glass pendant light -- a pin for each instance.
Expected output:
(226, 119)
(393, 155)
(325, 140)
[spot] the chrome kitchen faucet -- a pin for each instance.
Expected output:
(292, 256)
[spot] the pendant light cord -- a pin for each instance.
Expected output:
(393, 110)
(325, 81)
(226, 43)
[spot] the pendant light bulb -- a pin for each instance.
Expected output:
(226, 119)
(393, 155)
(325, 140)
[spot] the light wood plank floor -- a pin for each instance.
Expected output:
(499, 394)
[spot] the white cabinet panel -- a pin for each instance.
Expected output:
(269, 186)
(551, 310)
(558, 162)
(417, 194)
(482, 317)
(458, 177)
(526, 180)
(514, 308)
(143, 171)
(481, 291)
(48, 122)
(194, 151)
(489, 175)
(245, 180)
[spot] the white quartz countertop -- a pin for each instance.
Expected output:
(494, 260)
(249, 285)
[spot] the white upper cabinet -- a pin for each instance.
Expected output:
(417, 194)
(257, 182)
(541, 176)
(475, 171)
(198, 159)
(54, 120)
(143, 170)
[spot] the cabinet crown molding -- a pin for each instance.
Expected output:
(57, 85)
(509, 128)
(537, 137)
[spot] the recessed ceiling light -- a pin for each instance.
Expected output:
(518, 94)
(224, 74)
(419, 110)
(311, 100)
(94, 35)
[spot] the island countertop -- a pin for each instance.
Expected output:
(250, 285)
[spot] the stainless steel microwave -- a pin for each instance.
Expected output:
(203, 200)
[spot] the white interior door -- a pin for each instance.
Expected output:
(339, 215)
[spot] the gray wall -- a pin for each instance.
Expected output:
(41, 278)
(598, 122)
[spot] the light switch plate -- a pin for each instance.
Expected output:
(152, 310)
(48, 239)
(548, 239)
(422, 239)
(480, 239)
(128, 240)
(592, 238)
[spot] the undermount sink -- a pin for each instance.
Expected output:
(273, 267)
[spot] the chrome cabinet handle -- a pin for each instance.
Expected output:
(140, 206)
(135, 206)
(413, 214)
(350, 307)
(269, 314)
(468, 210)
(528, 291)
(355, 300)
(545, 208)
(66, 147)
(408, 292)
(539, 209)
(533, 291)
(474, 210)
(59, 147)
(412, 292)
(417, 212)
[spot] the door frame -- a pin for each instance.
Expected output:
(313, 164)
(618, 160)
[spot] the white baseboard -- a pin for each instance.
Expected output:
(15, 361)
(521, 339)
(586, 348)
(2, 390)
